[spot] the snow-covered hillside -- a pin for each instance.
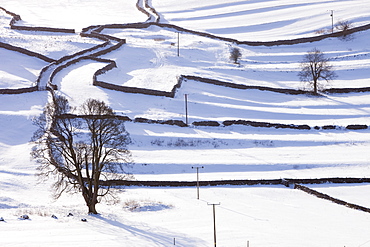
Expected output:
(74, 13)
(261, 215)
(262, 20)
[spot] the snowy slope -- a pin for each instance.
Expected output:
(20, 75)
(74, 13)
(262, 20)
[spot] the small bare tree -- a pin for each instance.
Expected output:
(235, 55)
(315, 67)
(343, 27)
(81, 152)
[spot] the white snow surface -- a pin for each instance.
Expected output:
(261, 215)
(74, 14)
(263, 20)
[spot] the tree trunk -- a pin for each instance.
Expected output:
(90, 201)
(92, 209)
(315, 86)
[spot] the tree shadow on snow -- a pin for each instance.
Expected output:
(153, 236)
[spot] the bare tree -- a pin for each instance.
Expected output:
(344, 27)
(315, 67)
(81, 152)
(235, 55)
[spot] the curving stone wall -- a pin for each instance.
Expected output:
(148, 6)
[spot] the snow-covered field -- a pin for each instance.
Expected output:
(262, 215)
(262, 20)
(74, 13)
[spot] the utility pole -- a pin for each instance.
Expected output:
(186, 108)
(178, 44)
(197, 167)
(332, 21)
(214, 221)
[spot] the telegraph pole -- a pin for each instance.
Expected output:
(178, 44)
(197, 167)
(214, 221)
(186, 108)
(332, 21)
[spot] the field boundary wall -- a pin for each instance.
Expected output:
(330, 198)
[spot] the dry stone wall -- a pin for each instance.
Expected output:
(332, 199)
(287, 182)
(19, 90)
(26, 52)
